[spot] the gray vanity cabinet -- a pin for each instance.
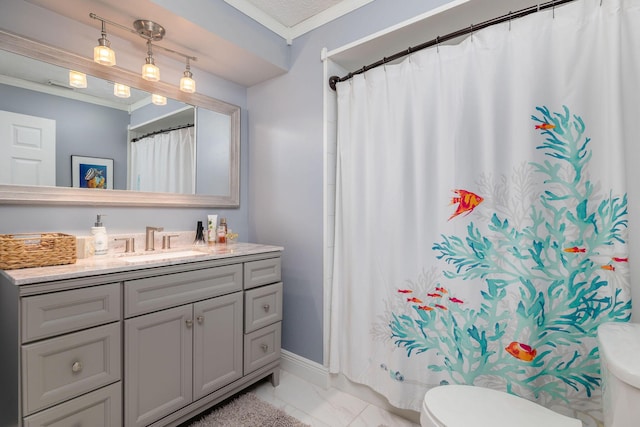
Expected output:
(137, 346)
(180, 354)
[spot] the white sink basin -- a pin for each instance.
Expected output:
(161, 256)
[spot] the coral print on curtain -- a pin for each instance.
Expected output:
(481, 211)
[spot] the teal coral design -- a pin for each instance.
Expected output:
(545, 285)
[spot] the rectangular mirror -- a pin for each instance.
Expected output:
(206, 130)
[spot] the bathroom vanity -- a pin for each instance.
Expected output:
(116, 341)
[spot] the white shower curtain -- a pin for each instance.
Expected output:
(164, 162)
(481, 210)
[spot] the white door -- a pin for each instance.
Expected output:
(28, 150)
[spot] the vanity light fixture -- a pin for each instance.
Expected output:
(151, 32)
(103, 54)
(187, 84)
(77, 79)
(159, 99)
(121, 91)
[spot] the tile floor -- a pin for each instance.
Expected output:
(318, 407)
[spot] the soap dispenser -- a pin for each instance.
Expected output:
(100, 238)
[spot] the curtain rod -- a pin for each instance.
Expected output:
(333, 80)
(190, 125)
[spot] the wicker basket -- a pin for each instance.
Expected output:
(36, 250)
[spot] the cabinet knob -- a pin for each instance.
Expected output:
(189, 323)
(77, 366)
(266, 308)
(200, 319)
(264, 347)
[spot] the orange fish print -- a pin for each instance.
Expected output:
(414, 299)
(442, 290)
(521, 351)
(456, 300)
(616, 259)
(608, 267)
(575, 249)
(545, 126)
(434, 295)
(425, 308)
(441, 307)
(405, 291)
(467, 202)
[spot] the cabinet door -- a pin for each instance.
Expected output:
(218, 337)
(158, 352)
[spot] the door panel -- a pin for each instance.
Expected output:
(28, 144)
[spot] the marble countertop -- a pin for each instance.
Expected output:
(121, 262)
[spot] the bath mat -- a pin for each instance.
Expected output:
(247, 410)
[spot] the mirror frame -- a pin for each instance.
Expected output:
(23, 194)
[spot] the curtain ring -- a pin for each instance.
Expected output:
(510, 20)
(471, 32)
(438, 44)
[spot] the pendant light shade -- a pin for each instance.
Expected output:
(158, 99)
(121, 91)
(150, 72)
(77, 79)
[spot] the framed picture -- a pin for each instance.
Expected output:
(91, 172)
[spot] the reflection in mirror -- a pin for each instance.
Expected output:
(192, 140)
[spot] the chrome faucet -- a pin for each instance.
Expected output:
(150, 240)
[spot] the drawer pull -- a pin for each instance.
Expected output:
(77, 366)
(266, 308)
(189, 323)
(264, 347)
(200, 319)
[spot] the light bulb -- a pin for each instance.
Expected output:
(187, 84)
(121, 91)
(158, 99)
(150, 72)
(77, 79)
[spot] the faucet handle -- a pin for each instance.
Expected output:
(166, 240)
(129, 244)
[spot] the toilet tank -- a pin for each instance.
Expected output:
(620, 365)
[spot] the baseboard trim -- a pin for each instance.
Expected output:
(304, 368)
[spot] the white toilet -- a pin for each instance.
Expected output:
(463, 406)
(620, 364)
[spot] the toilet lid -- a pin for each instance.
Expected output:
(463, 405)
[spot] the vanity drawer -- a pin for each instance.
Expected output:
(263, 272)
(262, 306)
(102, 407)
(65, 367)
(155, 293)
(56, 313)
(262, 347)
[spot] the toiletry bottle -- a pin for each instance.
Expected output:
(222, 231)
(199, 240)
(100, 238)
(212, 228)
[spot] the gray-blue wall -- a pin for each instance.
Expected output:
(286, 164)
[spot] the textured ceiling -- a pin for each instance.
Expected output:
(292, 12)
